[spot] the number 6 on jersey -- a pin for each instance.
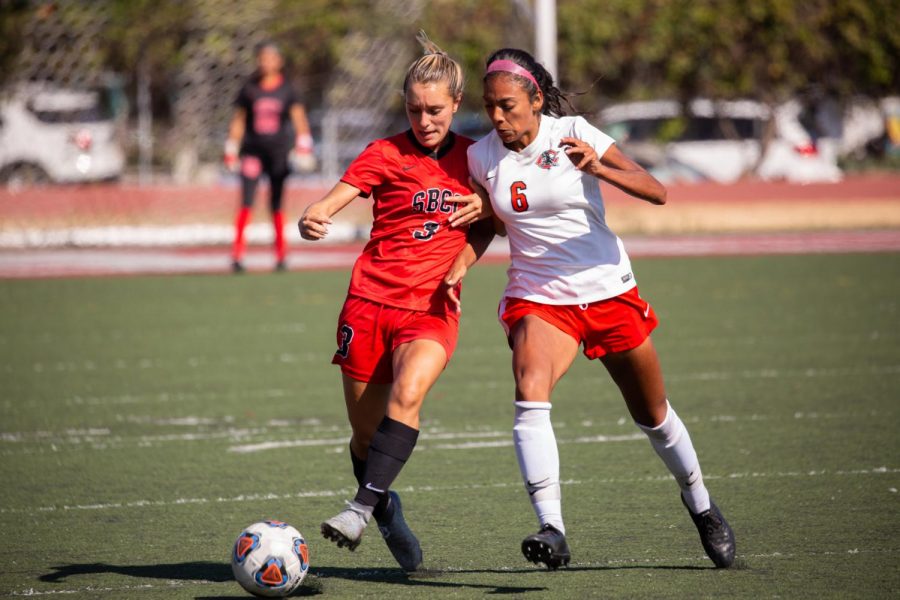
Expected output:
(519, 201)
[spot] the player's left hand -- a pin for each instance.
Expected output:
(452, 281)
(468, 210)
(302, 159)
(582, 154)
(478, 206)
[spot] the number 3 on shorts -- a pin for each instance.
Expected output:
(517, 196)
(346, 337)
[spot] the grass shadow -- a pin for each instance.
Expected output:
(425, 579)
(188, 571)
(221, 572)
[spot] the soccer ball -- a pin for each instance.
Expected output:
(270, 558)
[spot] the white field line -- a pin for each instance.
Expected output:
(194, 362)
(103, 438)
(425, 436)
(144, 363)
(116, 592)
(310, 357)
(159, 235)
(431, 489)
(766, 373)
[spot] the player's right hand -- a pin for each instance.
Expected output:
(452, 281)
(313, 226)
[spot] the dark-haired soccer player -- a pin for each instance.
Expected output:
(269, 122)
(570, 284)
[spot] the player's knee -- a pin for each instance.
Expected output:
(359, 443)
(407, 395)
(533, 384)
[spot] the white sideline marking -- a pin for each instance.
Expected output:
(592, 439)
(102, 438)
(172, 583)
(312, 357)
(166, 397)
(425, 436)
(432, 488)
(157, 362)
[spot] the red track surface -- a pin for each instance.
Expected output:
(113, 205)
(30, 264)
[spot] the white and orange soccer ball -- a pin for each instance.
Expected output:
(270, 558)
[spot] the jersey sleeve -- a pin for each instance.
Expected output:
(367, 170)
(476, 167)
(293, 96)
(586, 132)
(242, 100)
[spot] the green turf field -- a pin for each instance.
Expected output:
(145, 421)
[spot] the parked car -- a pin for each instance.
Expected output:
(53, 134)
(721, 140)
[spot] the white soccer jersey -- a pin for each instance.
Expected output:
(561, 249)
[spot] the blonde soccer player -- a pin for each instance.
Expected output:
(398, 329)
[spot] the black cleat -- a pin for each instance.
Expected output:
(547, 546)
(237, 267)
(400, 540)
(281, 266)
(715, 534)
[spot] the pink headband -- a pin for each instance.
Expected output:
(509, 66)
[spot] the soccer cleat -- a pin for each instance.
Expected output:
(715, 534)
(399, 538)
(237, 267)
(281, 266)
(547, 546)
(347, 527)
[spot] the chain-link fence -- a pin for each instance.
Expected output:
(171, 125)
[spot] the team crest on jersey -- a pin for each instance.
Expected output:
(548, 159)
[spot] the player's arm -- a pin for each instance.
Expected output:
(304, 141)
(316, 218)
(235, 135)
(615, 168)
(479, 237)
(303, 157)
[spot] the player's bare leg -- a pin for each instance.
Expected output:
(366, 403)
(366, 406)
(388, 439)
(639, 377)
(541, 356)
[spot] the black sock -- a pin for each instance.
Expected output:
(389, 450)
(384, 509)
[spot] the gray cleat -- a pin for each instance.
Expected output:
(347, 527)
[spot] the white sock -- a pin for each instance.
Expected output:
(672, 442)
(539, 460)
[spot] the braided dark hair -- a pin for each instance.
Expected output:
(556, 103)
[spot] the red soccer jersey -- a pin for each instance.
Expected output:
(412, 244)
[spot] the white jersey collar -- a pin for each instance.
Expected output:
(539, 144)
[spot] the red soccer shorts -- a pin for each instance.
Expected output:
(368, 333)
(604, 327)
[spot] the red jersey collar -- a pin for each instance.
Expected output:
(440, 153)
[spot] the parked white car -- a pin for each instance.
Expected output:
(720, 140)
(51, 134)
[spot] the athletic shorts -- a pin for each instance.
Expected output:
(369, 332)
(604, 327)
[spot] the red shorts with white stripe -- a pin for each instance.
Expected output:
(369, 332)
(604, 327)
